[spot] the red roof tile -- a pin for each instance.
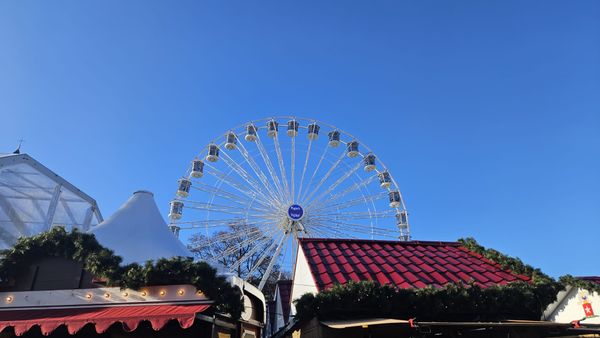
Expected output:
(414, 264)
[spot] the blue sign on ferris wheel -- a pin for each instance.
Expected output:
(295, 212)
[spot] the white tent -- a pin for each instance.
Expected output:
(137, 232)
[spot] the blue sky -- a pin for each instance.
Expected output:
(487, 112)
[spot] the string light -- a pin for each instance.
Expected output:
(144, 293)
(163, 292)
(88, 296)
(9, 299)
(107, 295)
(199, 293)
(181, 292)
(125, 294)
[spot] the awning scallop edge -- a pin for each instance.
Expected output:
(101, 317)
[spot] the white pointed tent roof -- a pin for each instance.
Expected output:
(137, 232)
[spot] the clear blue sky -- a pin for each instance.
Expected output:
(487, 112)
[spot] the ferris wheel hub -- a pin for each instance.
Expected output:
(295, 212)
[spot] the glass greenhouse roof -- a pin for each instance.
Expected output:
(34, 199)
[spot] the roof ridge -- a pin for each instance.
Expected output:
(361, 240)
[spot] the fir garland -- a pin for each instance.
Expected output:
(506, 262)
(178, 270)
(102, 262)
(580, 283)
(454, 302)
(57, 242)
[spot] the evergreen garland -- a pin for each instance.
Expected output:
(57, 242)
(506, 262)
(453, 302)
(102, 262)
(580, 283)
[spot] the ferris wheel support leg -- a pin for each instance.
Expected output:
(265, 277)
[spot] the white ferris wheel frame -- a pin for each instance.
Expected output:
(262, 196)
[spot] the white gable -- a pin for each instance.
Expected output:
(303, 280)
(569, 307)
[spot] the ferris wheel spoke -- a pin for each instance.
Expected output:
(212, 190)
(325, 177)
(352, 188)
(355, 215)
(226, 223)
(212, 223)
(220, 207)
(248, 237)
(236, 185)
(258, 245)
(334, 185)
(329, 231)
(257, 241)
(332, 233)
(293, 170)
(281, 164)
(360, 228)
(228, 210)
(306, 157)
(249, 179)
(269, 164)
(226, 236)
(366, 231)
(327, 206)
(314, 173)
(273, 191)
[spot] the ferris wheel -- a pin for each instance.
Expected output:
(287, 178)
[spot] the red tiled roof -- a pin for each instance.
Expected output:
(285, 291)
(415, 264)
(593, 279)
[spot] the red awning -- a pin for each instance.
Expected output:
(101, 317)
